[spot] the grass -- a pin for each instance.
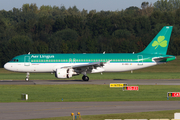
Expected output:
(97, 76)
(171, 70)
(79, 93)
(142, 115)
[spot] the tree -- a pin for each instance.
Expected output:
(176, 45)
(156, 18)
(44, 27)
(74, 22)
(142, 25)
(58, 25)
(144, 5)
(2, 29)
(63, 41)
(16, 46)
(146, 10)
(25, 8)
(40, 47)
(33, 8)
(131, 11)
(165, 5)
(122, 33)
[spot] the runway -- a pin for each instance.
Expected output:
(14, 111)
(97, 82)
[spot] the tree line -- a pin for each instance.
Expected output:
(68, 30)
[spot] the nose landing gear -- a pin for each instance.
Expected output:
(27, 77)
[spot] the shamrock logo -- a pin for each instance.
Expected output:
(160, 41)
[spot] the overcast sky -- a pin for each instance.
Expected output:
(97, 5)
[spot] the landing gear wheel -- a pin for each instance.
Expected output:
(27, 79)
(85, 78)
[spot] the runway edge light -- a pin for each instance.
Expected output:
(72, 114)
(78, 113)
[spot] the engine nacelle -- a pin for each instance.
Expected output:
(64, 73)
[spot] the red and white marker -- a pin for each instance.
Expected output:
(131, 88)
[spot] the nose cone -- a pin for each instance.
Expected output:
(7, 66)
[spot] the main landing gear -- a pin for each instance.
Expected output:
(85, 78)
(27, 77)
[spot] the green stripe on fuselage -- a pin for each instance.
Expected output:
(87, 58)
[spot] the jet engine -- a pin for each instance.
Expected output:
(64, 73)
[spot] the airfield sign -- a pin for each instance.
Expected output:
(131, 88)
(173, 94)
(117, 85)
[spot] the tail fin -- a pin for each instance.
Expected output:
(159, 44)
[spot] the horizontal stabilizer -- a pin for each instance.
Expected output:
(160, 59)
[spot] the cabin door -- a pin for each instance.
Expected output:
(140, 59)
(72, 61)
(27, 61)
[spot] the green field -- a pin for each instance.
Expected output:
(79, 93)
(142, 115)
(171, 70)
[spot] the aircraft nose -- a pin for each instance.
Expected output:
(7, 66)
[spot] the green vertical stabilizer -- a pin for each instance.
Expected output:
(159, 44)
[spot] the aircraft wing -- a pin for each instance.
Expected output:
(94, 64)
(88, 66)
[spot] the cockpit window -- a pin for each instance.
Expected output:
(14, 60)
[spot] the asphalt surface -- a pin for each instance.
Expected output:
(14, 111)
(99, 82)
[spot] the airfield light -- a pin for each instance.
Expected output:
(79, 115)
(72, 114)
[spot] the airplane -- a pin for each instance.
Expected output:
(69, 65)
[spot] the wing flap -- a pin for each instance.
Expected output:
(94, 64)
(86, 65)
(94, 67)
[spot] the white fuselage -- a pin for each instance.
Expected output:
(51, 67)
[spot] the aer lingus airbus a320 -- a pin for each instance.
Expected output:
(68, 65)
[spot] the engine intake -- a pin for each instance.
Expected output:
(64, 73)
